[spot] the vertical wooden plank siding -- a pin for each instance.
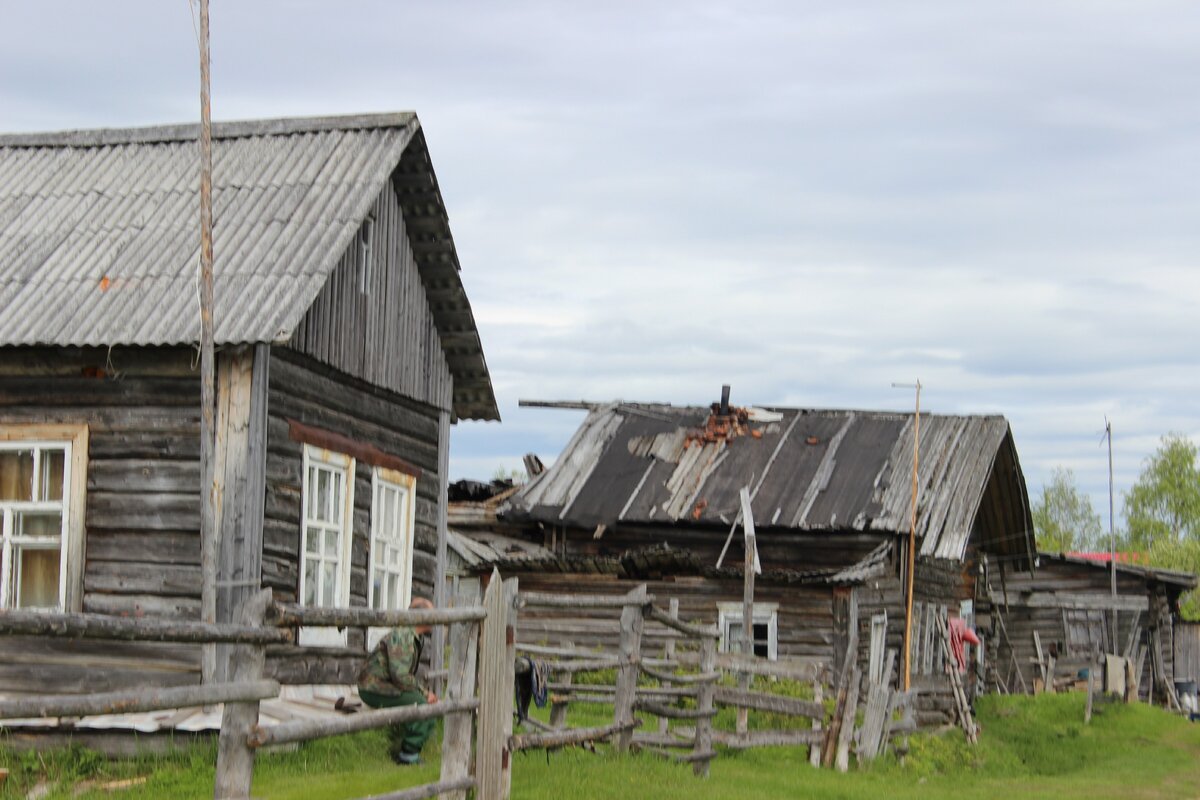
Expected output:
(372, 320)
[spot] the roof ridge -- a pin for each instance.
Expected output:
(190, 131)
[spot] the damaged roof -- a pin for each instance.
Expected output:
(808, 470)
(99, 235)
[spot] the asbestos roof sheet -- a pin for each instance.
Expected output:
(100, 244)
(808, 470)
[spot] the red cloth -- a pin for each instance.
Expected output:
(960, 637)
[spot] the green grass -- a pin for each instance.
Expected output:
(1029, 747)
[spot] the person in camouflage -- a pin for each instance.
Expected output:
(389, 678)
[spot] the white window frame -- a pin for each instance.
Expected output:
(763, 613)
(389, 479)
(73, 440)
(311, 636)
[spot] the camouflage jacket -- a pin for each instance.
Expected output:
(391, 668)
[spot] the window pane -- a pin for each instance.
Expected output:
(37, 578)
(310, 582)
(329, 573)
(16, 475)
(377, 592)
(311, 488)
(39, 523)
(51, 483)
(322, 512)
(331, 544)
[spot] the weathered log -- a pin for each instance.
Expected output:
(235, 757)
(761, 701)
(695, 631)
(671, 677)
(545, 600)
(306, 730)
(527, 741)
(461, 785)
(671, 712)
(735, 741)
(582, 665)
(290, 614)
(137, 700)
(100, 626)
(704, 705)
(457, 729)
(663, 740)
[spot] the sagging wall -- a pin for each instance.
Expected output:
(1051, 602)
(141, 544)
(805, 613)
(310, 393)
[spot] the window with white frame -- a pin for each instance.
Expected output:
(766, 628)
(391, 550)
(327, 499)
(42, 486)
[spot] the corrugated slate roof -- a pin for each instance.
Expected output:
(99, 241)
(812, 470)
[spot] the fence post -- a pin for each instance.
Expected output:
(559, 706)
(235, 760)
(628, 666)
(669, 655)
(460, 685)
(704, 703)
(492, 755)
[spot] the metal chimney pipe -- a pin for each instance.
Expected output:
(725, 400)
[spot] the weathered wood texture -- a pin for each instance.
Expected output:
(1187, 651)
(310, 393)
(142, 547)
(458, 729)
(372, 319)
(235, 758)
(492, 754)
(129, 701)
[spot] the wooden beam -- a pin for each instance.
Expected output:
(762, 701)
(528, 741)
(307, 730)
(452, 788)
(632, 621)
(1076, 600)
(546, 600)
(235, 758)
(439, 579)
(290, 614)
(135, 700)
(695, 631)
(100, 626)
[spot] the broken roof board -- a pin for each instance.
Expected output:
(99, 238)
(813, 470)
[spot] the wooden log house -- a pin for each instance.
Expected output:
(649, 493)
(346, 349)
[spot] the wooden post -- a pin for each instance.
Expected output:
(1131, 687)
(628, 667)
(911, 554)
(1087, 703)
(208, 488)
(439, 580)
(814, 749)
(460, 685)
(495, 697)
(704, 705)
(842, 760)
(668, 655)
(235, 758)
(749, 569)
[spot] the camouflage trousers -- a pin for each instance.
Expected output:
(409, 737)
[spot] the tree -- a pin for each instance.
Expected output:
(1063, 517)
(1163, 507)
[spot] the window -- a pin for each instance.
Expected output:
(391, 550)
(42, 495)
(766, 629)
(327, 499)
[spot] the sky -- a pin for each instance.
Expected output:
(807, 201)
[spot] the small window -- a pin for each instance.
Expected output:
(42, 495)
(391, 550)
(327, 500)
(365, 266)
(766, 629)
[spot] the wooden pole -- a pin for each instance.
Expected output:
(439, 581)
(704, 703)
(460, 685)
(1112, 534)
(669, 655)
(751, 565)
(235, 758)
(135, 700)
(208, 488)
(627, 670)
(129, 629)
(912, 545)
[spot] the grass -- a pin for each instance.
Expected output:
(1029, 747)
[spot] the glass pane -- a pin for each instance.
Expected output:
(37, 578)
(310, 486)
(328, 572)
(310, 582)
(331, 544)
(312, 540)
(335, 497)
(377, 592)
(39, 523)
(51, 483)
(16, 475)
(322, 512)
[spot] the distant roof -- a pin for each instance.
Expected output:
(99, 239)
(811, 470)
(1186, 580)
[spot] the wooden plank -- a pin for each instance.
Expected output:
(668, 647)
(97, 626)
(440, 568)
(814, 749)
(528, 741)
(290, 614)
(457, 729)
(627, 670)
(1077, 600)
(749, 568)
(762, 701)
(752, 739)
(135, 700)
(541, 600)
(845, 733)
(455, 788)
(495, 699)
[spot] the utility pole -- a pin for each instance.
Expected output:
(208, 499)
(1112, 534)
(912, 536)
